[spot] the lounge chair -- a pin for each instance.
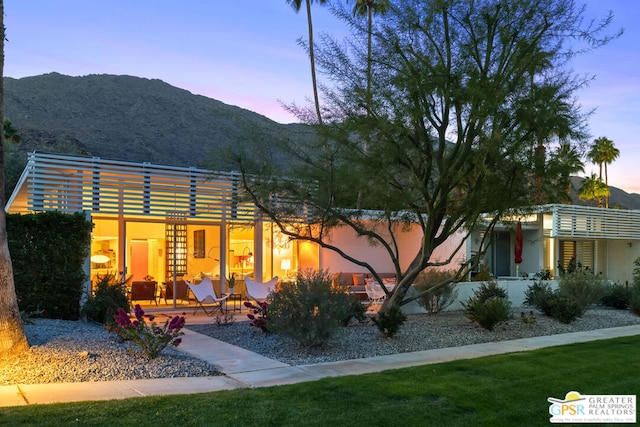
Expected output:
(375, 293)
(204, 294)
(259, 291)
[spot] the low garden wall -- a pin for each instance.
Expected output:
(515, 291)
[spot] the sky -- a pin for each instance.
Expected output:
(246, 53)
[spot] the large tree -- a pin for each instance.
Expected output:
(450, 126)
(12, 337)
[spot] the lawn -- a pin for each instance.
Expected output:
(504, 390)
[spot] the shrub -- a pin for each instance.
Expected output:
(488, 290)
(437, 296)
(258, 315)
(616, 296)
(529, 318)
(565, 309)
(354, 309)
(110, 296)
(389, 321)
(310, 310)
(634, 303)
(48, 252)
(540, 296)
(151, 339)
(582, 288)
(489, 312)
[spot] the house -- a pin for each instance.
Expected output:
(166, 222)
(605, 241)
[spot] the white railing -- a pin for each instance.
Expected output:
(571, 221)
(72, 184)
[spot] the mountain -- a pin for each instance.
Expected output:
(144, 120)
(132, 118)
(618, 198)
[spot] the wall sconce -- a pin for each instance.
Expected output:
(630, 244)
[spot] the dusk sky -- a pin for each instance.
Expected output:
(246, 54)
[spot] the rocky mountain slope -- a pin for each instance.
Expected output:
(143, 120)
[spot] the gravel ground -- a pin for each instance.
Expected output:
(420, 332)
(66, 351)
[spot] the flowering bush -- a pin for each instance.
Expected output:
(258, 316)
(151, 339)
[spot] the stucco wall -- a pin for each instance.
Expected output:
(515, 292)
(620, 258)
(409, 242)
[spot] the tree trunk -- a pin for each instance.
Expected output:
(12, 337)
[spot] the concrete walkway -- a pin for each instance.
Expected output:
(244, 369)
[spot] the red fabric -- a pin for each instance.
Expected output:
(518, 244)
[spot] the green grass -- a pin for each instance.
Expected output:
(503, 390)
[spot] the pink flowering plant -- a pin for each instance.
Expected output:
(151, 338)
(258, 315)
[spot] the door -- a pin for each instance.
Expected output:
(139, 259)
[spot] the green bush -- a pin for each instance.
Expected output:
(565, 309)
(437, 297)
(541, 296)
(488, 290)
(634, 303)
(582, 288)
(489, 312)
(389, 321)
(110, 294)
(48, 252)
(616, 296)
(310, 310)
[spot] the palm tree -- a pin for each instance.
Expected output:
(297, 4)
(12, 337)
(564, 162)
(593, 188)
(368, 8)
(602, 153)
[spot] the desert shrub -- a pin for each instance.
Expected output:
(634, 303)
(581, 287)
(528, 318)
(616, 296)
(488, 290)
(488, 312)
(355, 309)
(310, 310)
(483, 275)
(541, 296)
(565, 309)
(544, 274)
(437, 296)
(389, 321)
(110, 294)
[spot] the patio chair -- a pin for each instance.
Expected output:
(259, 291)
(204, 294)
(375, 293)
(145, 291)
(182, 291)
